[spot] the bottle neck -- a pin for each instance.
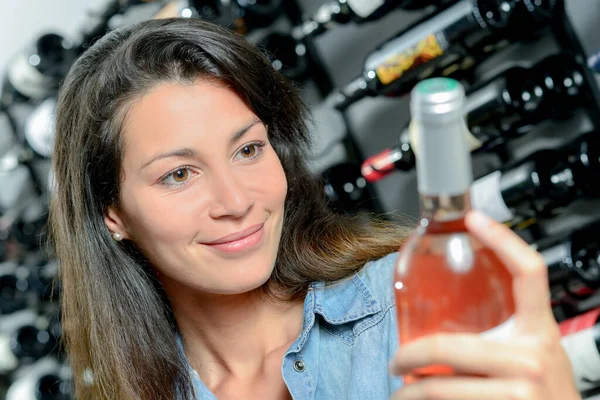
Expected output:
(444, 213)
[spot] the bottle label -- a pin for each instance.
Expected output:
(579, 341)
(486, 196)
(394, 66)
(364, 8)
(500, 332)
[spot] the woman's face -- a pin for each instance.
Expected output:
(203, 191)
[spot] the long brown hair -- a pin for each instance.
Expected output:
(118, 328)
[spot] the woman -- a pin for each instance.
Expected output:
(198, 259)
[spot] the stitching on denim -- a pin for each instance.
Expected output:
(371, 322)
(345, 338)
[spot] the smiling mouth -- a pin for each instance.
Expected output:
(244, 240)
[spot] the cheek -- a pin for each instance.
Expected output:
(273, 182)
(165, 218)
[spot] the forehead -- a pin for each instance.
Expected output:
(177, 112)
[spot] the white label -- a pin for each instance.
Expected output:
(364, 8)
(585, 359)
(501, 332)
(487, 197)
(8, 361)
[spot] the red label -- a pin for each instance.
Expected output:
(579, 323)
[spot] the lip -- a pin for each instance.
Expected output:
(238, 235)
(241, 241)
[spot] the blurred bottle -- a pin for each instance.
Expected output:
(448, 44)
(287, 55)
(346, 190)
(45, 380)
(44, 277)
(14, 288)
(338, 12)
(24, 338)
(573, 264)
(542, 184)
(581, 340)
(445, 279)
(506, 106)
(241, 16)
(39, 128)
(35, 73)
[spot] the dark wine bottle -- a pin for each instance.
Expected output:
(24, 337)
(36, 73)
(47, 379)
(287, 55)
(346, 190)
(506, 106)
(260, 13)
(338, 12)
(448, 44)
(14, 289)
(543, 183)
(573, 264)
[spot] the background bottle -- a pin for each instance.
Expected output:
(47, 379)
(36, 73)
(23, 338)
(573, 264)
(543, 183)
(14, 288)
(445, 279)
(506, 106)
(448, 44)
(338, 12)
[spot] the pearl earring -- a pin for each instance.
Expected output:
(117, 237)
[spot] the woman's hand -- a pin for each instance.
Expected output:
(531, 364)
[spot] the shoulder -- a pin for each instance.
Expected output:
(377, 276)
(366, 293)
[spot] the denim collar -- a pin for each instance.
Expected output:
(345, 301)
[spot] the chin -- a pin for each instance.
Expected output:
(245, 278)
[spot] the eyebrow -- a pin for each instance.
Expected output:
(187, 152)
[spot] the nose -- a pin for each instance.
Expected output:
(231, 198)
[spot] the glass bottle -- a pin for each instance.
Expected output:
(445, 279)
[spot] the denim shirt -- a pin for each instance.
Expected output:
(348, 338)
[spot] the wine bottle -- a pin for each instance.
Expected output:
(581, 341)
(36, 73)
(445, 279)
(261, 13)
(543, 183)
(338, 12)
(287, 55)
(573, 264)
(448, 44)
(47, 379)
(14, 288)
(346, 190)
(506, 106)
(23, 337)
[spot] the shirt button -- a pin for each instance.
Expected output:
(299, 365)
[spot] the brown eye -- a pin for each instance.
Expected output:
(180, 175)
(248, 151)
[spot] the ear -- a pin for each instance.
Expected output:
(115, 223)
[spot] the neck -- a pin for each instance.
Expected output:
(233, 335)
(444, 213)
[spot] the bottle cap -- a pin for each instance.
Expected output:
(443, 162)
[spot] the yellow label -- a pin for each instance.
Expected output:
(396, 65)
